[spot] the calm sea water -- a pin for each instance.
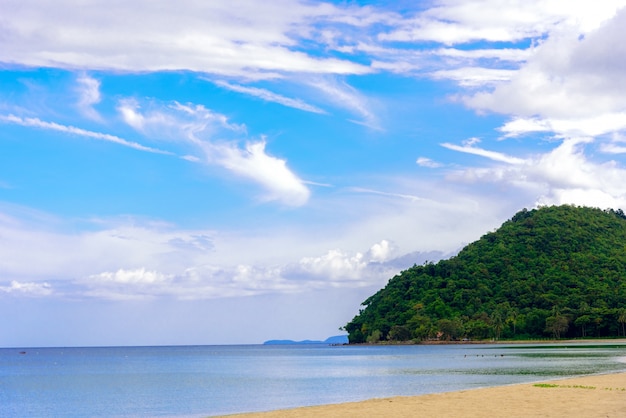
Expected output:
(195, 381)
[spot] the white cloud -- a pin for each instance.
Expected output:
(335, 264)
(591, 126)
(571, 86)
(174, 263)
(169, 121)
(456, 22)
(89, 95)
(37, 123)
(27, 288)
(131, 258)
(139, 276)
(128, 284)
(128, 108)
(350, 268)
(474, 76)
(617, 145)
(492, 155)
(271, 97)
(383, 193)
(236, 38)
(564, 175)
(427, 162)
(502, 54)
(347, 97)
(201, 127)
(255, 164)
(380, 252)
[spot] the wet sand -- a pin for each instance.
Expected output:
(588, 397)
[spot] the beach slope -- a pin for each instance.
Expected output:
(588, 396)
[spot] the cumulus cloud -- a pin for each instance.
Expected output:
(139, 276)
(381, 251)
(124, 284)
(338, 266)
(335, 269)
(335, 264)
(127, 259)
(567, 87)
(27, 288)
(571, 86)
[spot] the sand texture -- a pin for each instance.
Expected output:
(585, 397)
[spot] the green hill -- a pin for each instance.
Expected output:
(555, 271)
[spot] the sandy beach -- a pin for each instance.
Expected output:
(588, 397)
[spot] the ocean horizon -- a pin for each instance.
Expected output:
(202, 381)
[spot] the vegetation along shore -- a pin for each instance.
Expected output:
(553, 272)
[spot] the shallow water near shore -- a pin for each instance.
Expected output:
(195, 381)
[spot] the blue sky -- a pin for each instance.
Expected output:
(232, 172)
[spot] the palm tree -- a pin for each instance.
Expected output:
(496, 320)
(621, 318)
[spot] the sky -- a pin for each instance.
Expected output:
(229, 172)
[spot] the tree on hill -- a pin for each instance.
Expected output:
(556, 271)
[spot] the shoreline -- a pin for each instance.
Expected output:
(590, 396)
(590, 341)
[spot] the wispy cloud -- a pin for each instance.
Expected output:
(452, 22)
(271, 97)
(427, 162)
(617, 145)
(253, 163)
(37, 123)
(582, 126)
(217, 38)
(347, 97)
(475, 76)
(562, 175)
(208, 132)
(381, 193)
(89, 95)
(492, 155)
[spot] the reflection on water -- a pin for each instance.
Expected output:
(211, 380)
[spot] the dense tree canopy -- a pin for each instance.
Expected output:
(555, 271)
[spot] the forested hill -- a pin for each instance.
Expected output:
(555, 271)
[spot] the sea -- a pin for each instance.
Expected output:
(203, 381)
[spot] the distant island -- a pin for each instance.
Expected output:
(335, 340)
(552, 272)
